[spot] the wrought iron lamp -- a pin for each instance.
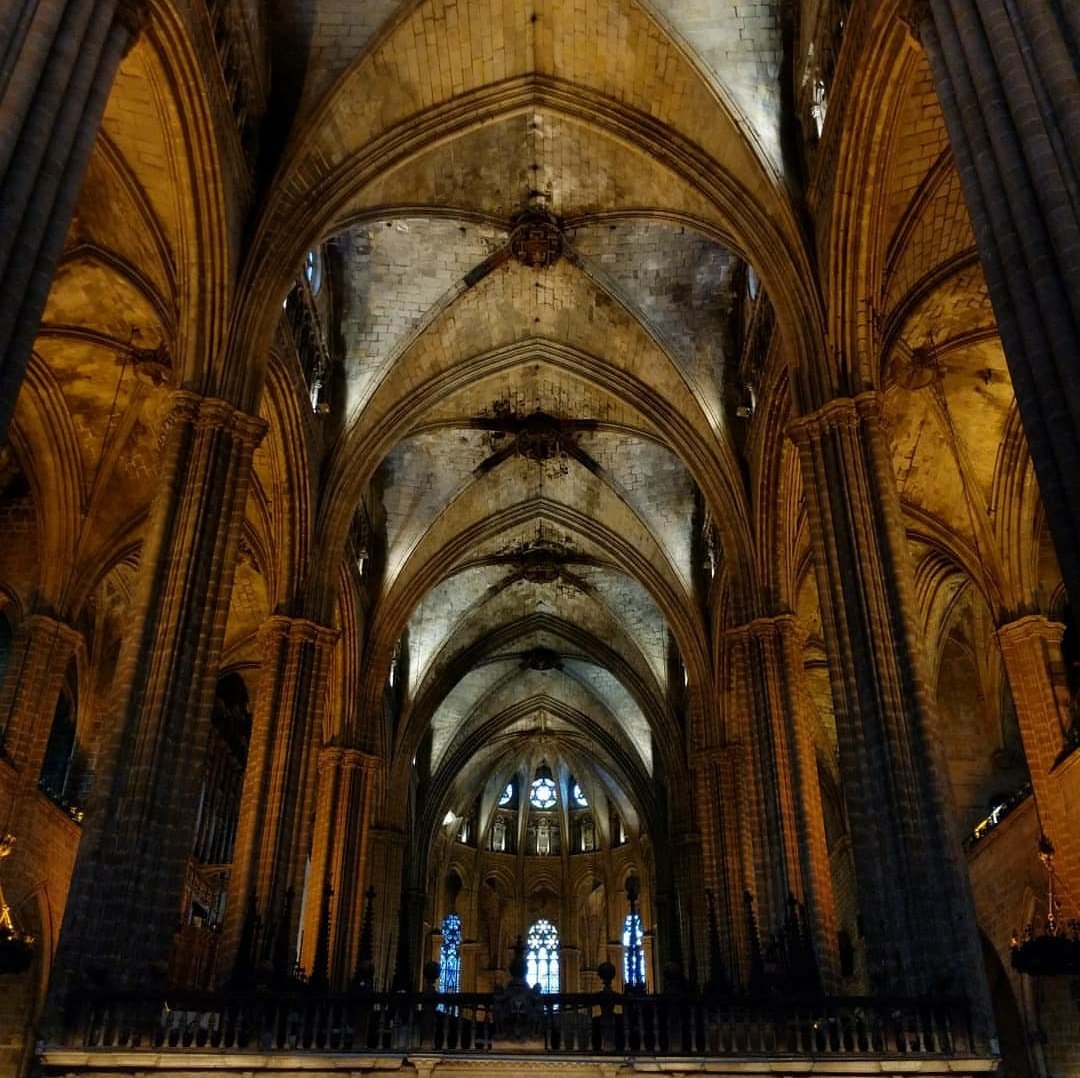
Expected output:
(16, 948)
(1050, 952)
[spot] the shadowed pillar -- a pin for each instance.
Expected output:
(791, 857)
(914, 900)
(276, 804)
(1008, 77)
(140, 824)
(58, 59)
(338, 857)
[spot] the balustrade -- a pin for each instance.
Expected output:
(604, 1023)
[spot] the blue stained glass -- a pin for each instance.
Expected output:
(633, 951)
(450, 955)
(579, 796)
(542, 795)
(507, 795)
(542, 956)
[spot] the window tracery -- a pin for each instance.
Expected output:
(542, 793)
(542, 956)
(450, 954)
(633, 952)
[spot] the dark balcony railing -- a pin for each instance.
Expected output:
(522, 1021)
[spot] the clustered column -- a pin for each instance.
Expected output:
(791, 858)
(35, 675)
(914, 901)
(719, 780)
(61, 58)
(1030, 648)
(123, 906)
(276, 804)
(1007, 76)
(338, 863)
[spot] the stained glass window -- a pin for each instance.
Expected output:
(542, 794)
(633, 951)
(579, 796)
(450, 955)
(542, 956)
(507, 795)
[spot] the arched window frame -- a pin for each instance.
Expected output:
(633, 936)
(542, 956)
(450, 955)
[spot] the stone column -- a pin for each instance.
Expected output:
(35, 674)
(338, 858)
(59, 61)
(718, 791)
(1008, 77)
(274, 828)
(385, 865)
(140, 823)
(791, 858)
(1031, 649)
(914, 897)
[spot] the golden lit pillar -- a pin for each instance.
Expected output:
(1031, 651)
(140, 822)
(333, 917)
(790, 856)
(914, 898)
(273, 831)
(43, 648)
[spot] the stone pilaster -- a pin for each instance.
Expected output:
(1031, 650)
(128, 880)
(35, 674)
(338, 857)
(62, 56)
(1007, 77)
(913, 890)
(790, 854)
(275, 806)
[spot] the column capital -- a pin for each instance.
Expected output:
(769, 625)
(1031, 627)
(347, 759)
(280, 627)
(839, 413)
(212, 413)
(40, 623)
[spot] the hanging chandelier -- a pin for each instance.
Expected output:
(1051, 952)
(16, 948)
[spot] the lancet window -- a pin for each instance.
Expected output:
(542, 956)
(450, 954)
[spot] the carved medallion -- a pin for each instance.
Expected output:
(536, 240)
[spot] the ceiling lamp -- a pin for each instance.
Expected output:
(1051, 952)
(16, 948)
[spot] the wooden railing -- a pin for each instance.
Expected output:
(524, 1021)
